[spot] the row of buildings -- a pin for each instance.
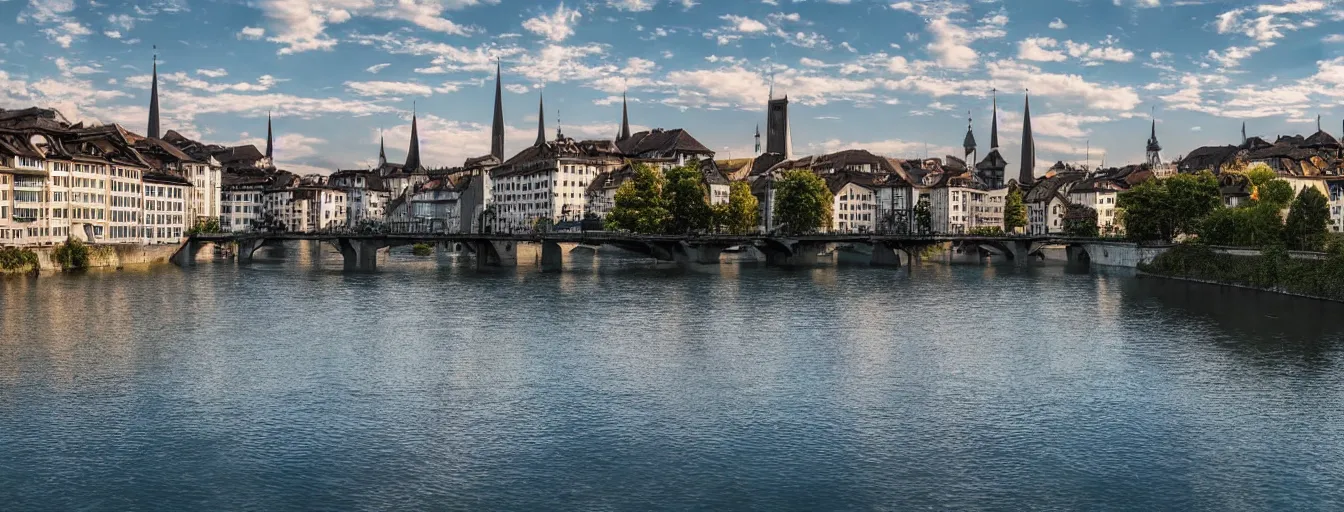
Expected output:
(105, 184)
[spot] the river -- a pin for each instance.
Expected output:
(620, 384)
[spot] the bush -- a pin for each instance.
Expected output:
(1272, 270)
(987, 231)
(422, 250)
(1308, 221)
(1256, 225)
(71, 255)
(13, 258)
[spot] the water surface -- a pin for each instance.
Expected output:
(286, 384)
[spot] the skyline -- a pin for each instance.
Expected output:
(337, 73)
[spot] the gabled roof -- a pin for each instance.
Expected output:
(992, 161)
(1047, 189)
(1322, 140)
(661, 142)
(1209, 157)
(236, 154)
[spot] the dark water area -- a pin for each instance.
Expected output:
(619, 385)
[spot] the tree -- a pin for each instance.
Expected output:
(802, 202)
(1308, 221)
(742, 213)
(923, 217)
(687, 200)
(1252, 226)
(1014, 212)
(1168, 208)
(1081, 221)
(1275, 192)
(1260, 174)
(639, 203)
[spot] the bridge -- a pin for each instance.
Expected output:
(359, 250)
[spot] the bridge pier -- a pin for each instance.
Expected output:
(552, 257)
(495, 253)
(885, 256)
(247, 246)
(359, 255)
(187, 252)
(1078, 255)
(791, 253)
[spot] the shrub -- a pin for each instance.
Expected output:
(422, 250)
(71, 255)
(13, 258)
(1273, 269)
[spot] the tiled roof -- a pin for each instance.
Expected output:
(661, 142)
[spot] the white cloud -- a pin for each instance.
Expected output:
(379, 88)
(951, 44)
(1064, 87)
(743, 24)
(1088, 52)
(252, 33)
(1038, 49)
(1058, 24)
(556, 26)
(300, 25)
(633, 5)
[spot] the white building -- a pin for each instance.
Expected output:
(165, 208)
(324, 206)
(853, 204)
(1101, 195)
(549, 181)
(1336, 206)
(1048, 201)
(366, 195)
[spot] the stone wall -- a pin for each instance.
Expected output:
(112, 256)
(1123, 254)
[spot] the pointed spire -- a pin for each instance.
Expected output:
(1318, 122)
(382, 151)
(497, 129)
(968, 143)
(152, 131)
(413, 153)
(1028, 172)
(541, 120)
(1243, 132)
(625, 120)
(270, 138)
(994, 123)
(758, 138)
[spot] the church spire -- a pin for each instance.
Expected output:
(968, 143)
(758, 138)
(413, 154)
(994, 123)
(541, 120)
(1243, 132)
(625, 120)
(382, 151)
(270, 139)
(1154, 149)
(152, 131)
(497, 129)
(1028, 172)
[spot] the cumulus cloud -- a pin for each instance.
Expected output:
(556, 26)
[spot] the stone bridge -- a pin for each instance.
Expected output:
(359, 251)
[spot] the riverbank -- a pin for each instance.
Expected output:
(46, 259)
(1270, 270)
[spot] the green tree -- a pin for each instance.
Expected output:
(639, 205)
(742, 213)
(687, 200)
(1253, 226)
(1260, 174)
(1168, 208)
(802, 202)
(923, 217)
(1014, 212)
(1308, 225)
(1081, 221)
(1275, 192)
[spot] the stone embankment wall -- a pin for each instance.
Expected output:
(112, 256)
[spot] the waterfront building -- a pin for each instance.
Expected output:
(664, 149)
(436, 202)
(366, 196)
(1047, 202)
(549, 180)
(1336, 197)
(165, 210)
(241, 205)
(853, 202)
(324, 207)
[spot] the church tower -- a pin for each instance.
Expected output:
(1027, 175)
(1154, 149)
(497, 128)
(778, 136)
(152, 131)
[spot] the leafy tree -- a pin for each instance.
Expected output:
(687, 200)
(73, 254)
(639, 205)
(1308, 221)
(1014, 212)
(1168, 208)
(1253, 226)
(205, 225)
(1260, 174)
(1275, 192)
(923, 217)
(742, 213)
(802, 202)
(1081, 221)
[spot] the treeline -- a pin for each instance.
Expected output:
(1190, 207)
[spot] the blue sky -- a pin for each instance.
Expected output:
(895, 77)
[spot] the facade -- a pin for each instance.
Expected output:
(1336, 197)
(366, 195)
(319, 208)
(1048, 201)
(241, 207)
(853, 208)
(664, 149)
(549, 181)
(165, 198)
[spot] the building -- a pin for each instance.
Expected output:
(1336, 197)
(853, 202)
(241, 207)
(990, 170)
(320, 207)
(165, 199)
(1048, 201)
(549, 180)
(366, 196)
(664, 149)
